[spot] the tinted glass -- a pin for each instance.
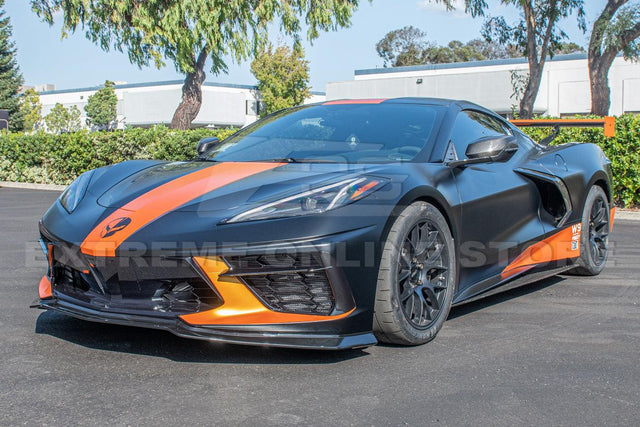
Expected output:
(342, 133)
(473, 125)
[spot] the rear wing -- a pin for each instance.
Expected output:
(608, 124)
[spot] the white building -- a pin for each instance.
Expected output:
(148, 104)
(564, 90)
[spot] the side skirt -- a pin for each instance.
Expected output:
(498, 286)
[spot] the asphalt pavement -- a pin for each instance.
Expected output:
(563, 351)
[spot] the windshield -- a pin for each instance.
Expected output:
(340, 133)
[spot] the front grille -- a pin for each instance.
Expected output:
(291, 283)
(285, 261)
(133, 285)
(294, 292)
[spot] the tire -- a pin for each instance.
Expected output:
(417, 277)
(594, 235)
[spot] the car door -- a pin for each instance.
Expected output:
(499, 207)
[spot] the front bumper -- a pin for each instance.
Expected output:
(241, 314)
(227, 334)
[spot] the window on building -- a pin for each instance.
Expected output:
(252, 108)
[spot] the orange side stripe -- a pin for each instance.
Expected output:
(44, 288)
(564, 244)
(162, 200)
(241, 307)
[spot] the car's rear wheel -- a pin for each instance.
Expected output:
(594, 237)
(417, 277)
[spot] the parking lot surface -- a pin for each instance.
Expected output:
(563, 351)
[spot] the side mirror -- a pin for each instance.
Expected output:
(487, 150)
(206, 144)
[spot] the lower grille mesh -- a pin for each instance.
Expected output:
(287, 283)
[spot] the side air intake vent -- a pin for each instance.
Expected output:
(291, 283)
(556, 202)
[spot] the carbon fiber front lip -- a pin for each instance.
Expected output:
(210, 333)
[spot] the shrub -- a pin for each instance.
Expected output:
(623, 150)
(59, 159)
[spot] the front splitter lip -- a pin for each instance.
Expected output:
(210, 333)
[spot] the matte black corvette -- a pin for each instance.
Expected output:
(327, 226)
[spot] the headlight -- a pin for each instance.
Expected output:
(74, 193)
(314, 201)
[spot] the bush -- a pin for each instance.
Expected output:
(623, 150)
(58, 159)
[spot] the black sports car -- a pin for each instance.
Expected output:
(327, 226)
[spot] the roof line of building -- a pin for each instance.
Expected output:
(162, 83)
(486, 63)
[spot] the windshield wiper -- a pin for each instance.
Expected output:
(294, 160)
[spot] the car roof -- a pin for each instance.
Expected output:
(444, 102)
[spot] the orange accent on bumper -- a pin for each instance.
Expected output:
(554, 248)
(165, 198)
(612, 215)
(241, 307)
(355, 101)
(44, 289)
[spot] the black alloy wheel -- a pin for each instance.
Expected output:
(423, 274)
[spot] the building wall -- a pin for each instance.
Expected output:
(149, 104)
(564, 89)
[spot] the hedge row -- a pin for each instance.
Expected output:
(623, 150)
(58, 159)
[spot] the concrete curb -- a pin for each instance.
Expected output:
(29, 186)
(625, 214)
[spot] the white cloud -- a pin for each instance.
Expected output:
(438, 7)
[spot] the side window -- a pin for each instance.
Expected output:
(472, 125)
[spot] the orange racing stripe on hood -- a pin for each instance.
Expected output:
(107, 236)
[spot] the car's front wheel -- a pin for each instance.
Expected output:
(417, 277)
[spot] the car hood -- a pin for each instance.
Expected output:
(224, 186)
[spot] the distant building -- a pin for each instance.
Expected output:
(564, 90)
(148, 104)
(38, 88)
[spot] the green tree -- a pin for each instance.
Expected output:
(188, 32)
(10, 76)
(617, 29)
(409, 46)
(101, 107)
(405, 46)
(283, 78)
(536, 34)
(566, 48)
(31, 110)
(63, 120)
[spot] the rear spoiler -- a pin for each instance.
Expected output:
(608, 123)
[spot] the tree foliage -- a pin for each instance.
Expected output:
(31, 110)
(63, 120)
(409, 46)
(101, 107)
(283, 78)
(536, 34)
(10, 76)
(616, 30)
(188, 32)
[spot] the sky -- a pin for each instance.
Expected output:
(75, 62)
